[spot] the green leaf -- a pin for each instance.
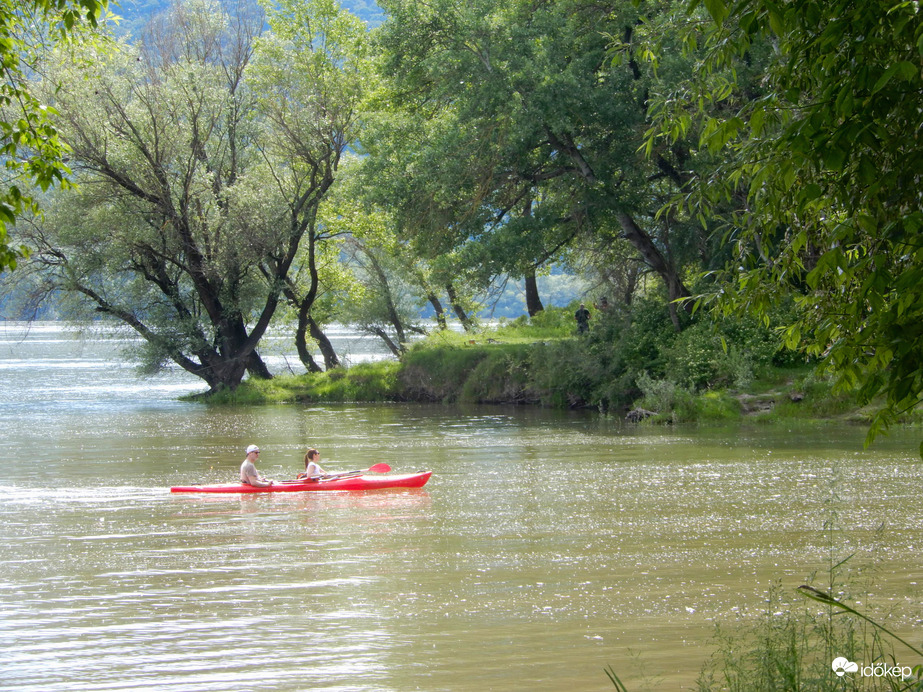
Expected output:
(717, 9)
(757, 118)
(907, 71)
(845, 102)
(868, 173)
(885, 78)
(811, 191)
(724, 133)
(776, 18)
(835, 158)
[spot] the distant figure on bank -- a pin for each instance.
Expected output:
(583, 319)
(248, 472)
(311, 465)
(603, 304)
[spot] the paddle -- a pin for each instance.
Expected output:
(377, 468)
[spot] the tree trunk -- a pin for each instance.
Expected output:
(326, 348)
(309, 325)
(631, 283)
(642, 242)
(389, 342)
(301, 342)
(393, 317)
(440, 311)
(306, 323)
(466, 322)
(533, 300)
(257, 368)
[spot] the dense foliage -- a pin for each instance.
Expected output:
(759, 160)
(507, 134)
(818, 178)
(203, 154)
(32, 152)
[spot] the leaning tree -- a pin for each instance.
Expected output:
(198, 184)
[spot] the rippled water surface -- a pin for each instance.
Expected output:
(546, 547)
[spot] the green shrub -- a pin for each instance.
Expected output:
(659, 396)
(727, 354)
(717, 406)
(564, 373)
(676, 404)
(632, 341)
(361, 382)
(693, 358)
(501, 377)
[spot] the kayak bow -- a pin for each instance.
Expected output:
(360, 482)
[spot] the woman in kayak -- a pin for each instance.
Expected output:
(248, 472)
(311, 467)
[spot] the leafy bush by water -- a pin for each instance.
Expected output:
(630, 357)
(361, 382)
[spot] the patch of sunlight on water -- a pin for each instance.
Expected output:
(547, 546)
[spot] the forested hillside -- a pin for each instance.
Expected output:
(134, 13)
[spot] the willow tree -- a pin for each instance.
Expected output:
(311, 73)
(198, 185)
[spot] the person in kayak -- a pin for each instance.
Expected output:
(311, 465)
(248, 473)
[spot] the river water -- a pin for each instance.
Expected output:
(547, 546)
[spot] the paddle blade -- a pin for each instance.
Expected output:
(379, 468)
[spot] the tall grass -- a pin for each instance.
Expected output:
(793, 645)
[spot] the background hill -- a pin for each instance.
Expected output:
(134, 13)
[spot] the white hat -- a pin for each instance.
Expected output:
(252, 448)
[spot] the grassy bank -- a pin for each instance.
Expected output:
(366, 382)
(699, 375)
(505, 374)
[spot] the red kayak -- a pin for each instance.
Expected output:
(360, 481)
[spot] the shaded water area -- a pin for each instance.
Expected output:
(547, 546)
